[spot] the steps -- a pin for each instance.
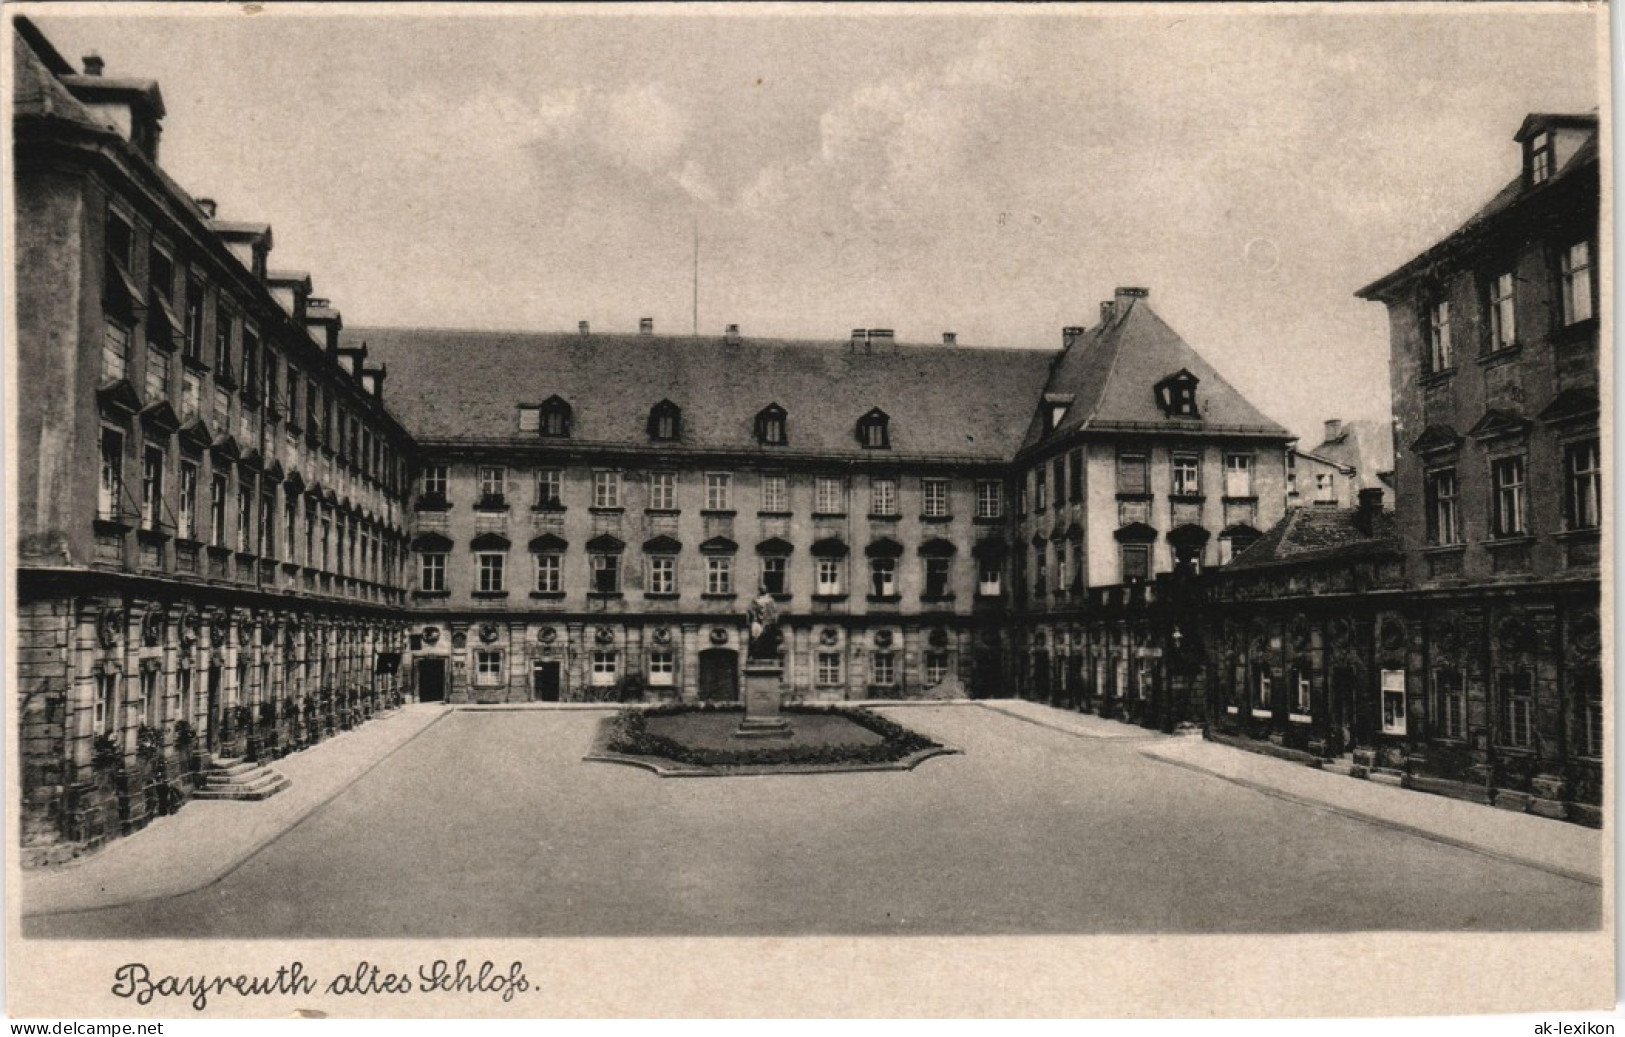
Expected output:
(239, 779)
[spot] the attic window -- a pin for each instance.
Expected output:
(530, 419)
(1057, 412)
(553, 418)
(771, 426)
(665, 421)
(874, 430)
(1540, 158)
(1176, 395)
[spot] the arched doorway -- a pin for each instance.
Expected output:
(719, 675)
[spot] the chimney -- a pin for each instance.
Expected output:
(860, 339)
(1125, 298)
(646, 325)
(1334, 429)
(730, 334)
(207, 205)
(1070, 336)
(584, 328)
(950, 339)
(1108, 310)
(94, 64)
(882, 337)
(1365, 519)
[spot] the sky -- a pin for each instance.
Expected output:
(996, 175)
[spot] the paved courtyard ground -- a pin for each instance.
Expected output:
(489, 824)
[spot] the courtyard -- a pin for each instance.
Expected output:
(490, 824)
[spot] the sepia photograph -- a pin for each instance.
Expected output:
(956, 498)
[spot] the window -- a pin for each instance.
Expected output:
(1503, 313)
(662, 669)
(883, 668)
(1441, 357)
(266, 544)
(554, 419)
(290, 526)
(1060, 565)
(223, 321)
(493, 484)
(1450, 704)
(251, 362)
(1075, 485)
(1187, 475)
(773, 573)
(606, 489)
(936, 668)
(120, 239)
(1517, 712)
(434, 481)
(829, 669)
(775, 493)
(606, 573)
(186, 515)
(1060, 480)
(432, 573)
(1136, 559)
(490, 570)
(989, 579)
(530, 419)
(1301, 704)
(665, 421)
(829, 496)
(157, 384)
(1133, 476)
(293, 396)
(152, 487)
(605, 668)
(771, 426)
(719, 574)
(1582, 467)
(1264, 691)
(115, 351)
(1540, 158)
(989, 499)
(245, 515)
(1393, 702)
(1238, 475)
(487, 669)
(1577, 283)
(550, 487)
(883, 496)
(1587, 684)
(110, 491)
(662, 574)
(883, 577)
(549, 573)
(1176, 395)
(1325, 488)
(1507, 488)
(217, 509)
(936, 578)
(106, 711)
(1443, 524)
(874, 430)
(718, 491)
(936, 497)
(663, 491)
(829, 576)
(191, 396)
(1040, 569)
(1040, 488)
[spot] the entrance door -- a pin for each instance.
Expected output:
(989, 677)
(1040, 691)
(719, 675)
(544, 681)
(431, 680)
(214, 709)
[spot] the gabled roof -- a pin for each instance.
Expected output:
(1111, 372)
(1363, 445)
(1320, 534)
(954, 402)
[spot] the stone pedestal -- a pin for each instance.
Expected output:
(764, 693)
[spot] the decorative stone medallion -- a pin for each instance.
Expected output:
(939, 638)
(152, 627)
(829, 636)
(547, 635)
(431, 635)
(110, 627)
(604, 635)
(662, 635)
(488, 632)
(883, 638)
(719, 635)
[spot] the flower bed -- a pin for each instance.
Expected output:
(875, 742)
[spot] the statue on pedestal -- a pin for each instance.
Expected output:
(765, 636)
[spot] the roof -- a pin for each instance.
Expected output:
(1363, 445)
(1504, 200)
(942, 401)
(1318, 534)
(38, 92)
(1112, 370)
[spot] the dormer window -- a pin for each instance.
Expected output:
(553, 418)
(874, 430)
(1176, 395)
(1541, 158)
(665, 422)
(1056, 406)
(772, 426)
